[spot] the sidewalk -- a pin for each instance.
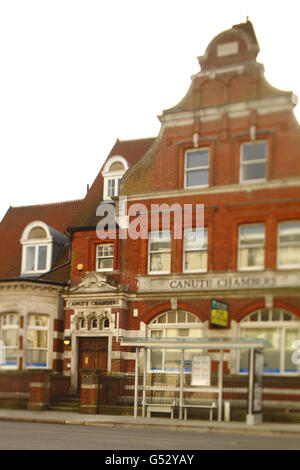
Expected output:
(60, 417)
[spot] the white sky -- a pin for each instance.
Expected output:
(77, 74)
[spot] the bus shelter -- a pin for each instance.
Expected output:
(199, 369)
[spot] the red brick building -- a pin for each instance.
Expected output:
(232, 144)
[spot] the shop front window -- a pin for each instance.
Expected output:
(280, 329)
(173, 324)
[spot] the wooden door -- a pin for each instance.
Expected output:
(92, 354)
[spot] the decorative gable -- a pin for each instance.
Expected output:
(234, 46)
(94, 282)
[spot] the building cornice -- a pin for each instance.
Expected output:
(263, 106)
(13, 285)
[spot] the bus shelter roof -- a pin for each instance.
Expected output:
(195, 343)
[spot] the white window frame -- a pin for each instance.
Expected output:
(37, 328)
(116, 185)
(36, 246)
(113, 175)
(252, 162)
(202, 249)
(190, 170)
(283, 326)
(251, 268)
(280, 244)
(36, 243)
(105, 257)
(150, 253)
(155, 326)
(10, 327)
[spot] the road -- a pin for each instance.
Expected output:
(42, 436)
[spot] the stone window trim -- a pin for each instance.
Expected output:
(92, 321)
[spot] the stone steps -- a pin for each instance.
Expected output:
(66, 403)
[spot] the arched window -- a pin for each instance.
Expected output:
(173, 324)
(280, 329)
(41, 245)
(37, 232)
(104, 323)
(36, 241)
(81, 323)
(116, 166)
(112, 173)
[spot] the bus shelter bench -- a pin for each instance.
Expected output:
(210, 406)
(160, 408)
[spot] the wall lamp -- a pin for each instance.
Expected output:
(67, 341)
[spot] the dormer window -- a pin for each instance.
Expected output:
(113, 185)
(112, 173)
(41, 245)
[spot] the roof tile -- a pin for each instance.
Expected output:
(57, 215)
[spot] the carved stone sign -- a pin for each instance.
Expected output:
(94, 303)
(217, 282)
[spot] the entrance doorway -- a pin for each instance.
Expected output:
(92, 354)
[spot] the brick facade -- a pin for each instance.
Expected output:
(229, 103)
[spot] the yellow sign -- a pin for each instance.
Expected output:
(219, 317)
(219, 313)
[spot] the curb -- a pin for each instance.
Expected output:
(175, 427)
